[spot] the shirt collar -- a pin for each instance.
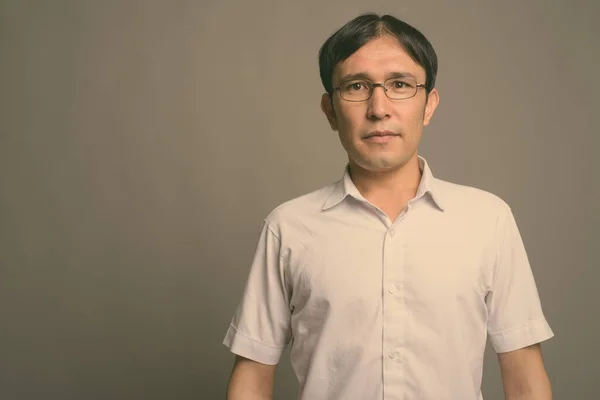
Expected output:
(345, 187)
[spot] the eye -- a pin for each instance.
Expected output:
(355, 86)
(400, 84)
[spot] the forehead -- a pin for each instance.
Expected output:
(378, 59)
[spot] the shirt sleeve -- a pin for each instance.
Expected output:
(515, 316)
(260, 327)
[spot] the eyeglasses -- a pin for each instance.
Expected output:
(394, 88)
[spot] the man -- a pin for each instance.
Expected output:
(388, 282)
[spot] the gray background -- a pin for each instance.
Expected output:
(142, 143)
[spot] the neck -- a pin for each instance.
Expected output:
(397, 185)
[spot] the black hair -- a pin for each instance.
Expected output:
(362, 29)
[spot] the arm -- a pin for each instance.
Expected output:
(524, 376)
(516, 320)
(251, 380)
(260, 328)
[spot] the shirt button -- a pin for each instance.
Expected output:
(392, 354)
(392, 232)
(392, 289)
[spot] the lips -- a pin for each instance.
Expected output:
(381, 134)
(380, 137)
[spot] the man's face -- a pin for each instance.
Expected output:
(396, 124)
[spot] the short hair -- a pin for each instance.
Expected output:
(362, 29)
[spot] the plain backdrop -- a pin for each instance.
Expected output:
(142, 143)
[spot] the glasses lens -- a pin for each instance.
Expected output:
(355, 90)
(400, 88)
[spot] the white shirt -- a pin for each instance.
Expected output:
(376, 309)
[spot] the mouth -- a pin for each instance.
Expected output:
(381, 136)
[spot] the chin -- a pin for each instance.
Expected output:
(381, 164)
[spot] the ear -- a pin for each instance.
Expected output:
(327, 108)
(432, 103)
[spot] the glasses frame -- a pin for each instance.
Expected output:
(381, 85)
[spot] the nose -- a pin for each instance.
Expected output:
(379, 104)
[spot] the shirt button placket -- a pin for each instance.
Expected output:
(393, 313)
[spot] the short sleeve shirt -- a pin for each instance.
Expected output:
(381, 309)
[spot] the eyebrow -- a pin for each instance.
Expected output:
(365, 76)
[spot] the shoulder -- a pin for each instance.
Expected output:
(470, 200)
(299, 211)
